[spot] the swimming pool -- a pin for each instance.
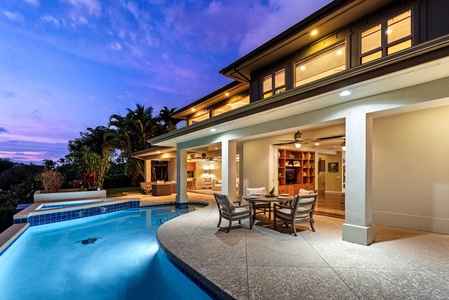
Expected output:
(109, 256)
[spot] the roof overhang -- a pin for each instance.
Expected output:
(217, 96)
(337, 14)
(155, 153)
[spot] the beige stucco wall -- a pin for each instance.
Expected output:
(256, 169)
(411, 170)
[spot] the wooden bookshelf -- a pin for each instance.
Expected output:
(296, 170)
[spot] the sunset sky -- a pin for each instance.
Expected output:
(66, 65)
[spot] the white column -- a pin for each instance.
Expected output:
(358, 227)
(181, 177)
(228, 168)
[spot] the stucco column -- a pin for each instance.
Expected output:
(181, 177)
(228, 168)
(358, 227)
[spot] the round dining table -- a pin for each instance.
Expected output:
(266, 198)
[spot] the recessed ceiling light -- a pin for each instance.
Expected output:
(227, 94)
(159, 152)
(213, 129)
(345, 93)
(314, 32)
(193, 109)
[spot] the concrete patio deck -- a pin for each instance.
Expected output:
(265, 264)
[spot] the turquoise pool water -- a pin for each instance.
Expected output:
(109, 256)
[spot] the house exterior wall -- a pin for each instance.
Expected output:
(381, 131)
(411, 170)
(429, 21)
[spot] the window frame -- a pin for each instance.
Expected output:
(200, 113)
(301, 60)
(385, 45)
(274, 90)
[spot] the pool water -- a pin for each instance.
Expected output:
(109, 256)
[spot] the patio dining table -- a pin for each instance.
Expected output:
(265, 198)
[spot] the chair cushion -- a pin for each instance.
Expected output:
(251, 191)
(241, 210)
(305, 192)
(285, 211)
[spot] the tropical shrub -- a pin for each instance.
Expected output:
(95, 166)
(52, 180)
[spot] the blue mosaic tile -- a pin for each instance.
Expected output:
(53, 217)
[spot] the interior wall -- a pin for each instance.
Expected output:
(333, 180)
(204, 169)
(207, 169)
(411, 170)
(172, 169)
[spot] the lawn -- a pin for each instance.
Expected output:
(118, 192)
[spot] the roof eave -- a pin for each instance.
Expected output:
(290, 32)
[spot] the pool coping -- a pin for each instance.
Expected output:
(8, 236)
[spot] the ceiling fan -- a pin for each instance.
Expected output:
(299, 140)
(204, 157)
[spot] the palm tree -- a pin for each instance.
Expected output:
(166, 120)
(131, 134)
(99, 139)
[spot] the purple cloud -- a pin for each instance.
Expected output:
(60, 78)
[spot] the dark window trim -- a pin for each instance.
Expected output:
(384, 38)
(274, 90)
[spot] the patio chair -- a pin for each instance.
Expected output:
(261, 208)
(232, 211)
(300, 210)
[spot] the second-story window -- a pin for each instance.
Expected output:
(274, 83)
(330, 61)
(235, 102)
(199, 116)
(386, 37)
